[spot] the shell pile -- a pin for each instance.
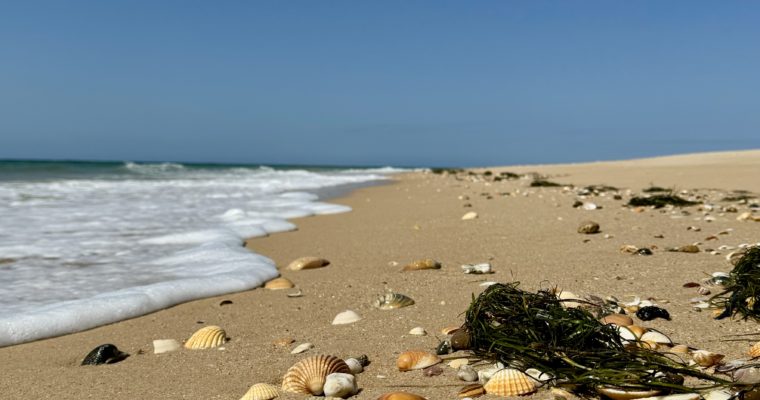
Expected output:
(206, 338)
(308, 376)
(392, 301)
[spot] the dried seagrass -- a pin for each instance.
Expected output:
(741, 294)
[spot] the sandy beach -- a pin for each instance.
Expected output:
(527, 234)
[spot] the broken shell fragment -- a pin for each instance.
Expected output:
(206, 338)
(346, 317)
(475, 390)
(510, 382)
(301, 348)
(308, 375)
(165, 346)
(458, 362)
(588, 227)
(705, 358)
(340, 385)
(484, 268)
(422, 264)
(411, 360)
(307, 263)
(261, 391)
(279, 283)
(400, 396)
(392, 301)
(625, 394)
(418, 331)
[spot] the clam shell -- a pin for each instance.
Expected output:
(400, 396)
(418, 331)
(510, 382)
(617, 319)
(279, 283)
(428, 263)
(104, 354)
(410, 360)
(472, 391)
(679, 349)
(705, 358)
(392, 301)
(655, 336)
(307, 263)
(165, 346)
(458, 362)
(340, 385)
(346, 317)
(308, 375)
(261, 391)
(354, 365)
(754, 351)
(206, 338)
(623, 394)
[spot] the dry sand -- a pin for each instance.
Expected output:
(527, 234)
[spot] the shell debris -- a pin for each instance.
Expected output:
(510, 382)
(278, 284)
(165, 346)
(302, 348)
(307, 263)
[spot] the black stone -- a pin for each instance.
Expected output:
(104, 354)
(443, 348)
(649, 313)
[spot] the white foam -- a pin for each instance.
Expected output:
(88, 252)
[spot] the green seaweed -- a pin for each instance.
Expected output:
(660, 200)
(544, 183)
(741, 294)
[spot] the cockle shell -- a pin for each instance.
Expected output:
(392, 301)
(410, 360)
(165, 346)
(400, 396)
(617, 319)
(474, 390)
(510, 382)
(346, 317)
(261, 391)
(705, 358)
(625, 394)
(422, 264)
(754, 351)
(308, 375)
(340, 385)
(307, 263)
(206, 338)
(279, 283)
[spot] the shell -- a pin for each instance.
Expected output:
(392, 301)
(622, 394)
(449, 330)
(540, 377)
(427, 263)
(458, 362)
(637, 330)
(104, 354)
(410, 360)
(354, 365)
(206, 338)
(754, 351)
(261, 391)
(467, 374)
(418, 331)
(346, 317)
(400, 396)
(656, 336)
(165, 346)
(279, 283)
(469, 215)
(510, 382)
(472, 391)
(705, 358)
(307, 263)
(308, 375)
(617, 319)
(588, 227)
(301, 348)
(679, 349)
(747, 376)
(340, 385)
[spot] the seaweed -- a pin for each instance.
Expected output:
(739, 197)
(660, 200)
(509, 175)
(741, 294)
(600, 188)
(655, 189)
(534, 330)
(446, 170)
(543, 183)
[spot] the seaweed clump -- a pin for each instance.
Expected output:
(741, 294)
(661, 200)
(534, 330)
(452, 171)
(655, 189)
(543, 183)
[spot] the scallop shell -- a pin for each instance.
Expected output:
(472, 391)
(705, 358)
(622, 394)
(422, 264)
(754, 351)
(346, 317)
(261, 391)
(308, 375)
(410, 360)
(400, 396)
(279, 283)
(418, 331)
(206, 338)
(510, 382)
(617, 319)
(391, 301)
(307, 263)
(340, 385)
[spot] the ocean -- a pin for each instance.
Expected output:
(84, 244)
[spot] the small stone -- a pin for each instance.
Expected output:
(456, 363)
(588, 227)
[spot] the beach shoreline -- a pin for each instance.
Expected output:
(527, 234)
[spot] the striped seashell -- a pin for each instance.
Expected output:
(510, 382)
(400, 396)
(308, 375)
(206, 338)
(422, 264)
(754, 351)
(410, 360)
(705, 358)
(617, 319)
(616, 393)
(392, 301)
(307, 263)
(261, 391)
(474, 390)
(279, 283)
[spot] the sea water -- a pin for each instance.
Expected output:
(86, 244)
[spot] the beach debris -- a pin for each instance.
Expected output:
(416, 359)
(590, 206)
(469, 215)
(432, 370)
(460, 340)
(746, 375)
(703, 291)
(649, 313)
(104, 354)
(693, 228)
(308, 375)
(340, 384)
(279, 283)
(747, 216)
(400, 396)
(307, 263)
(283, 342)
(392, 301)
(689, 248)
(417, 265)
(261, 391)
(617, 393)
(654, 336)
(165, 346)
(510, 382)
(474, 390)
(418, 331)
(302, 348)
(754, 350)
(482, 268)
(206, 338)
(588, 227)
(660, 200)
(741, 289)
(467, 373)
(544, 183)
(631, 249)
(705, 358)
(449, 330)
(225, 303)
(297, 293)
(617, 319)
(354, 365)
(346, 317)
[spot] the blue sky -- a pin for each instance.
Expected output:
(381, 83)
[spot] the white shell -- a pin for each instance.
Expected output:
(469, 215)
(467, 374)
(346, 317)
(301, 348)
(720, 394)
(354, 365)
(656, 336)
(541, 377)
(484, 268)
(418, 331)
(340, 385)
(165, 346)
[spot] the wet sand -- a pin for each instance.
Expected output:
(527, 234)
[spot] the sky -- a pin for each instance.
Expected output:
(404, 83)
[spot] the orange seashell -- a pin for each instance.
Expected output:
(307, 263)
(617, 319)
(207, 337)
(754, 351)
(474, 390)
(705, 358)
(510, 382)
(400, 396)
(410, 360)
(279, 283)
(422, 264)
(449, 330)
(308, 375)
(680, 349)
(637, 330)
(261, 391)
